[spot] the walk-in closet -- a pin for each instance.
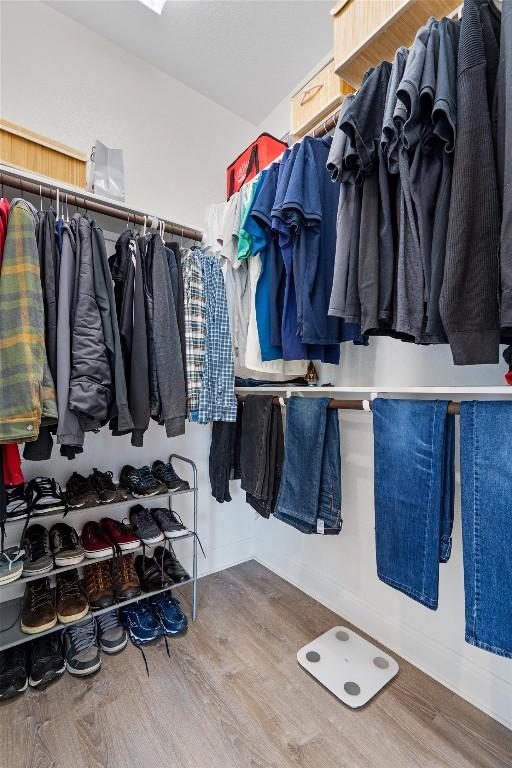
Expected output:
(256, 383)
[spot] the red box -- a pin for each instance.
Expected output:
(252, 160)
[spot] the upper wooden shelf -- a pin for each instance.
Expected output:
(367, 32)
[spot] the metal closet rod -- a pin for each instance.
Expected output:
(88, 202)
(357, 405)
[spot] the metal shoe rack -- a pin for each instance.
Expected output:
(10, 610)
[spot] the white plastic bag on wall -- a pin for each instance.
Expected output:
(106, 174)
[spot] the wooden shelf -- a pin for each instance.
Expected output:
(367, 32)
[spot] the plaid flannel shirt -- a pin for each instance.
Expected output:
(26, 390)
(217, 400)
(195, 329)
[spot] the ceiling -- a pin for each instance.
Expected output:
(246, 55)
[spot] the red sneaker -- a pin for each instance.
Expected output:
(94, 540)
(119, 534)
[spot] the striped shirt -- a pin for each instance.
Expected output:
(195, 329)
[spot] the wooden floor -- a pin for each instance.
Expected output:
(233, 695)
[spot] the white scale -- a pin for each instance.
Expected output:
(353, 669)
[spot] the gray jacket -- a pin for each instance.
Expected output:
(169, 363)
(91, 383)
(505, 164)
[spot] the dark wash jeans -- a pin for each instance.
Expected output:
(486, 480)
(311, 482)
(261, 452)
(414, 491)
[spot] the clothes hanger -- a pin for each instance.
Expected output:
(41, 199)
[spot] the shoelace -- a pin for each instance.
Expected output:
(123, 568)
(98, 577)
(107, 621)
(145, 477)
(104, 480)
(145, 521)
(65, 539)
(37, 547)
(82, 636)
(46, 649)
(69, 587)
(40, 596)
(169, 517)
(78, 485)
(16, 494)
(13, 664)
(48, 487)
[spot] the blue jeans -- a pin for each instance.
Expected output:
(486, 480)
(311, 483)
(414, 488)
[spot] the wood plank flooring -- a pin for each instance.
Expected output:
(232, 695)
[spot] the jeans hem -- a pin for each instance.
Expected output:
(420, 598)
(472, 640)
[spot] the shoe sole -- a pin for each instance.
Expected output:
(154, 540)
(83, 672)
(61, 562)
(37, 630)
(98, 553)
(38, 571)
(92, 503)
(75, 617)
(176, 534)
(128, 545)
(11, 692)
(146, 495)
(116, 649)
(129, 595)
(52, 508)
(10, 577)
(16, 516)
(47, 677)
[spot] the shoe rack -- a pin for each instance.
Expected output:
(10, 610)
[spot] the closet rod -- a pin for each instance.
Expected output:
(89, 203)
(357, 405)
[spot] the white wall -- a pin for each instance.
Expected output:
(61, 80)
(341, 572)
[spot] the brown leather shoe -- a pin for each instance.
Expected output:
(38, 608)
(99, 586)
(125, 577)
(71, 600)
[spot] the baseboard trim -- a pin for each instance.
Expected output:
(448, 668)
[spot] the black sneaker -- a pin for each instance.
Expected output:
(108, 492)
(13, 672)
(45, 495)
(173, 568)
(81, 492)
(65, 545)
(38, 558)
(166, 474)
(46, 660)
(143, 525)
(17, 502)
(151, 576)
(141, 482)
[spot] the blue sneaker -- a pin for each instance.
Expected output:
(141, 623)
(169, 612)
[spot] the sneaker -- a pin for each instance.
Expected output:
(141, 623)
(144, 526)
(17, 503)
(80, 492)
(82, 652)
(65, 545)
(71, 601)
(46, 659)
(119, 534)
(99, 586)
(166, 474)
(107, 491)
(38, 608)
(112, 635)
(95, 541)
(126, 580)
(11, 564)
(150, 574)
(141, 482)
(38, 558)
(46, 495)
(169, 523)
(13, 672)
(169, 613)
(173, 568)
